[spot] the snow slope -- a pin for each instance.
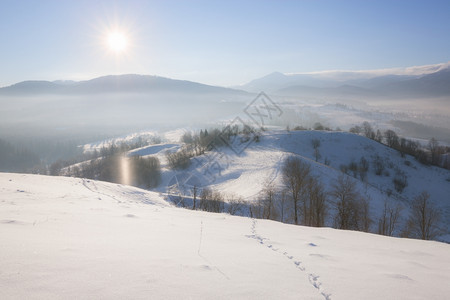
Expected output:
(247, 173)
(75, 238)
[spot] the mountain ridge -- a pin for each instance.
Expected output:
(419, 81)
(125, 83)
(425, 81)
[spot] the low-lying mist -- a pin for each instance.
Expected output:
(54, 127)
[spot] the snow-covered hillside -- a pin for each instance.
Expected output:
(75, 238)
(247, 173)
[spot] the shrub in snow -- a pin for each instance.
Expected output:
(400, 181)
(378, 165)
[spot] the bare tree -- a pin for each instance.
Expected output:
(356, 129)
(256, 208)
(318, 126)
(363, 168)
(194, 196)
(234, 204)
(295, 176)
(180, 159)
(211, 201)
(268, 201)
(368, 131)
(389, 219)
(317, 204)
(282, 199)
(424, 218)
(316, 144)
(391, 138)
(435, 151)
(378, 136)
(348, 208)
(378, 164)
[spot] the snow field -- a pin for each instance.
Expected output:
(75, 238)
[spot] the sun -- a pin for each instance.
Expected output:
(117, 42)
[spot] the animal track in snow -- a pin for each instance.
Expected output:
(313, 279)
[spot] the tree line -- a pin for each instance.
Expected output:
(195, 144)
(108, 165)
(303, 200)
(432, 154)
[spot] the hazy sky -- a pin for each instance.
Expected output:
(217, 42)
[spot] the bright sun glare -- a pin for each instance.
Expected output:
(117, 42)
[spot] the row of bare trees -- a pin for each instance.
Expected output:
(352, 208)
(310, 204)
(306, 192)
(433, 153)
(196, 144)
(143, 171)
(310, 200)
(303, 200)
(422, 223)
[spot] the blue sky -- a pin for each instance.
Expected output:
(217, 42)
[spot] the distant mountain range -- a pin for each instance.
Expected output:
(421, 82)
(431, 81)
(130, 83)
(115, 102)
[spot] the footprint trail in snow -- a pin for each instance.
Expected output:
(313, 279)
